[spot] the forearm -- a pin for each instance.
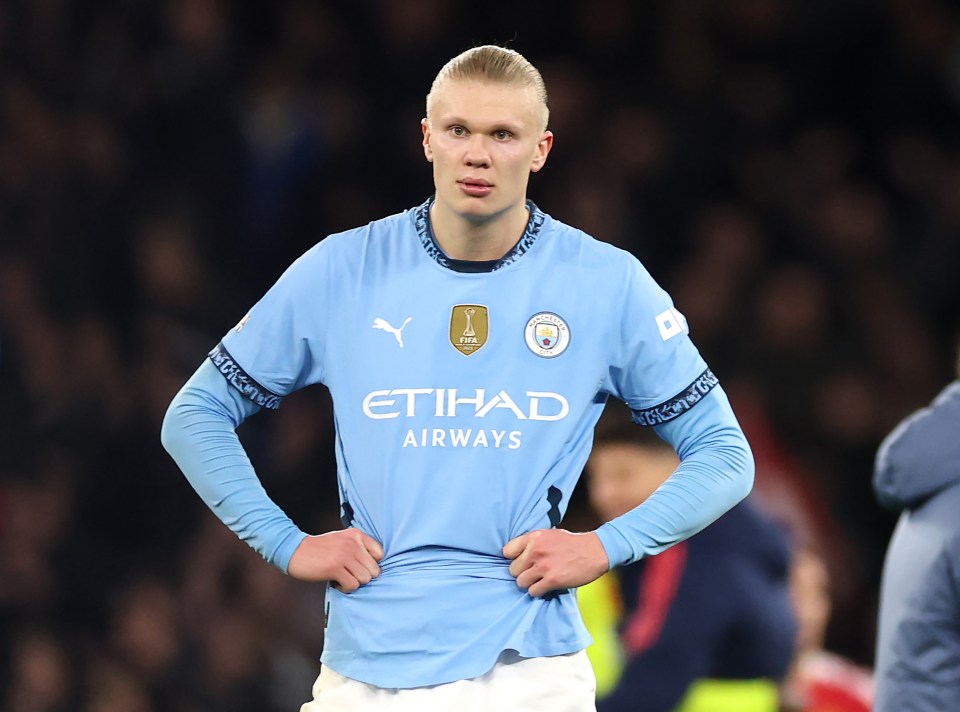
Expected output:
(715, 473)
(199, 432)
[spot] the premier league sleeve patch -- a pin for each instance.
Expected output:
(547, 335)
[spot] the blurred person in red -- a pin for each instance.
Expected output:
(706, 626)
(819, 680)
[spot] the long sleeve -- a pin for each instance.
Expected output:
(199, 432)
(715, 473)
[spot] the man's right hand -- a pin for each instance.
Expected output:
(347, 558)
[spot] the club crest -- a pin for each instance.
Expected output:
(547, 335)
(469, 327)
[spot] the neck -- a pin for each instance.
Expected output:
(489, 238)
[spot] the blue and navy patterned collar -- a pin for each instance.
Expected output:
(430, 244)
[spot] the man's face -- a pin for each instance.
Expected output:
(622, 475)
(484, 140)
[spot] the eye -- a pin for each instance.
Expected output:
(458, 131)
(502, 135)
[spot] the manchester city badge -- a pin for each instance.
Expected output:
(547, 334)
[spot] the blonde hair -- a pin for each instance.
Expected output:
(490, 63)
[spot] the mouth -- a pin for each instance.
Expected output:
(475, 187)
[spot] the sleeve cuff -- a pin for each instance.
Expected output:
(619, 551)
(284, 552)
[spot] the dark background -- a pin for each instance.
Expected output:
(787, 169)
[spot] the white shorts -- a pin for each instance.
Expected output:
(561, 683)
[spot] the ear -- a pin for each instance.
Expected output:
(427, 150)
(543, 150)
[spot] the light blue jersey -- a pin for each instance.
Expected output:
(465, 405)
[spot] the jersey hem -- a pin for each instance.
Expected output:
(549, 651)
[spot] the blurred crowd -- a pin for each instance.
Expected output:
(787, 169)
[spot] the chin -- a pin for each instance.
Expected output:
(475, 211)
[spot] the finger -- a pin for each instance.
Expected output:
(528, 579)
(513, 548)
(346, 583)
(372, 545)
(359, 572)
(369, 563)
(520, 564)
(540, 589)
(369, 554)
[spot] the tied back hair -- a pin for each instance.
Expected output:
(491, 63)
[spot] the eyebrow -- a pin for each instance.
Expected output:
(495, 126)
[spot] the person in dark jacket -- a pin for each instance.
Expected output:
(705, 625)
(918, 641)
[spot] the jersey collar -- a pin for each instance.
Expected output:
(430, 244)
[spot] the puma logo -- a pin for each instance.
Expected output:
(379, 323)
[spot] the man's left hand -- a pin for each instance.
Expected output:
(545, 560)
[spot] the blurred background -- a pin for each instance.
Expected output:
(787, 169)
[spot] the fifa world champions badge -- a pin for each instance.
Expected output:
(469, 327)
(547, 335)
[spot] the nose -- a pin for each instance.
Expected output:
(476, 154)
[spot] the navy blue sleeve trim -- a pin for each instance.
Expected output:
(239, 379)
(680, 403)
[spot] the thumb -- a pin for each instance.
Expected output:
(513, 548)
(372, 546)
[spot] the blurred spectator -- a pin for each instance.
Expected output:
(41, 674)
(918, 646)
(706, 625)
(820, 681)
